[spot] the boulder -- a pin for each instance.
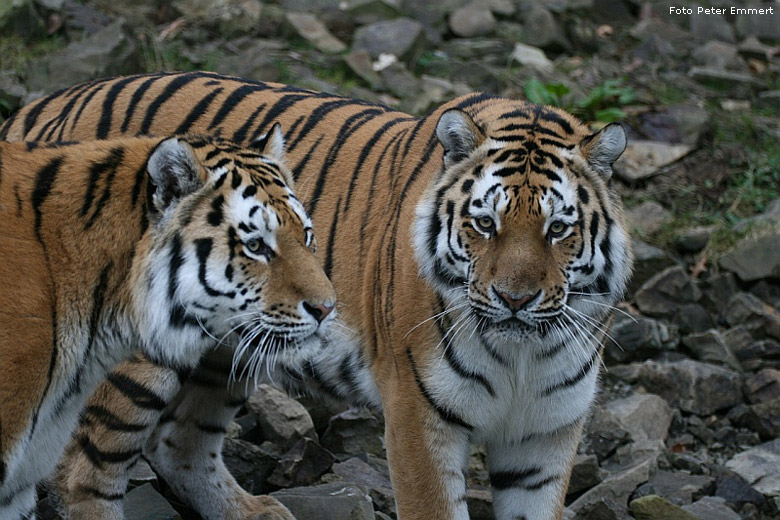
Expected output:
(336, 501)
(662, 295)
(644, 416)
(250, 465)
(308, 27)
(302, 465)
(764, 418)
(748, 310)
(712, 508)
(282, 420)
(640, 338)
(679, 487)
(643, 159)
(354, 432)
(710, 347)
(654, 507)
(648, 218)
(145, 503)
(615, 489)
(378, 485)
(401, 37)
(585, 474)
(754, 258)
(474, 19)
(760, 466)
(763, 386)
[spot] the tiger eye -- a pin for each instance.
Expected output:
(253, 245)
(557, 227)
(486, 224)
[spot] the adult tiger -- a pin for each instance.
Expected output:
(477, 251)
(159, 243)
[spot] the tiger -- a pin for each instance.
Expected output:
(478, 253)
(169, 246)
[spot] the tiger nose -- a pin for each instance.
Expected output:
(318, 311)
(516, 303)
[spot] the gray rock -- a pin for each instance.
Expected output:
(648, 218)
(399, 81)
(760, 354)
(764, 418)
(643, 159)
(302, 465)
(402, 37)
(12, 92)
(141, 473)
(654, 507)
(717, 291)
(662, 294)
(531, 57)
(760, 466)
(250, 465)
(640, 338)
(378, 485)
(542, 30)
(480, 504)
(636, 452)
(604, 433)
(361, 64)
(644, 416)
(712, 508)
(585, 474)
(711, 27)
(771, 214)
(693, 240)
(693, 317)
(474, 19)
(145, 503)
(282, 419)
(372, 11)
(20, 17)
(677, 124)
(336, 501)
(763, 386)
(759, 318)
(354, 432)
(110, 51)
(311, 6)
(615, 489)
(734, 80)
(769, 99)
(648, 260)
(720, 56)
(736, 490)
(754, 258)
(710, 347)
(762, 25)
(314, 31)
(693, 386)
(678, 487)
(687, 462)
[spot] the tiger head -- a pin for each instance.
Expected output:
(521, 223)
(233, 253)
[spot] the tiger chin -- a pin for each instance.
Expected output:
(160, 245)
(477, 252)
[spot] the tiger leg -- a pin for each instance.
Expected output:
(93, 474)
(19, 505)
(529, 477)
(428, 458)
(186, 447)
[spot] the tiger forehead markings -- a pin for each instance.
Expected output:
(477, 252)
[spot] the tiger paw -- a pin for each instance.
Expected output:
(267, 508)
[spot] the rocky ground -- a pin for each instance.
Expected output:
(688, 421)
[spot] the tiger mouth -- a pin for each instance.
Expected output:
(272, 337)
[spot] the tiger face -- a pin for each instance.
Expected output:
(521, 224)
(239, 251)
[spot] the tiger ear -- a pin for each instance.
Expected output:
(604, 147)
(173, 172)
(271, 144)
(458, 134)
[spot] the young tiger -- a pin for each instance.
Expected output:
(478, 252)
(162, 244)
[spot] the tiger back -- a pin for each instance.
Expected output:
(154, 244)
(478, 252)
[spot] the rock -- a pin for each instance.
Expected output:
(604, 433)
(474, 19)
(736, 490)
(648, 218)
(692, 317)
(771, 214)
(764, 418)
(643, 159)
(734, 80)
(710, 347)
(678, 487)
(693, 240)
(648, 260)
(372, 11)
(282, 419)
(141, 473)
(717, 291)
(145, 503)
(693, 386)
(250, 465)
(640, 338)
(615, 489)
(677, 124)
(303, 465)
(760, 466)
(719, 56)
(12, 92)
(480, 504)
(21, 18)
(754, 258)
(687, 462)
(653, 507)
(361, 64)
(585, 474)
(354, 432)
(312, 6)
(760, 354)
(337, 501)
(644, 416)
(762, 25)
(712, 508)
(769, 99)
(402, 37)
(378, 485)
(662, 294)
(399, 81)
(308, 27)
(110, 51)
(759, 318)
(763, 386)
(711, 27)
(531, 57)
(636, 452)
(542, 30)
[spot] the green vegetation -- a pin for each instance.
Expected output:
(602, 103)
(168, 55)
(16, 52)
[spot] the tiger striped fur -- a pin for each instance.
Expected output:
(162, 244)
(477, 252)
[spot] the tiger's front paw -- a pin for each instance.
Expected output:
(267, 508)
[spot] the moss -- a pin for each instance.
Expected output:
(16, 52)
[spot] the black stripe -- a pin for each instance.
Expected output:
(177, 260)
(215, 216)
(98, 457)
(84, 104)
(136, 392)
(445, 414)
(328, 266)
(203, 250)
(197, 111)
(552, 117)
(576, 378)
(240, 135)
(110, 165)
(509, 479)
(104, 124)
(94, 493)
(211, 428)
(35, 112)
(177, 83)
(110, 420)
(44, 180)
(278, 108)
(231, 102)
(536, 486)
(135, 101)
(455, 363)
